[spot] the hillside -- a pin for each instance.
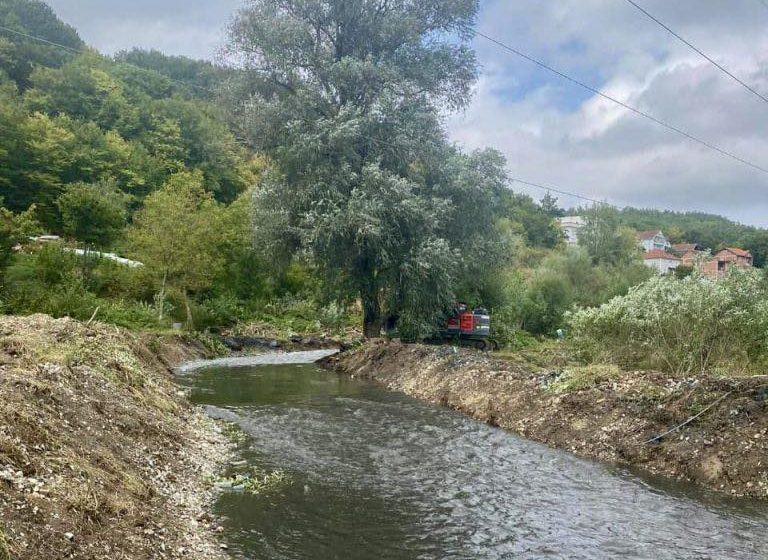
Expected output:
(710, 230)
(125, 124)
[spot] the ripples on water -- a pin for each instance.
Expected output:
(378, 475)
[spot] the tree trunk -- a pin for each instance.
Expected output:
(190, 321)
(372, 318)
(161, 298)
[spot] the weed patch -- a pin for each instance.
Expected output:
(584, 377)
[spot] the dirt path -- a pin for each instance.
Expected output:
(598, 414)
(101, 457)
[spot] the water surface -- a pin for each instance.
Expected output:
(378, 475)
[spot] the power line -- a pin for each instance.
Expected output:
(528, 183)
(81, 51)
(699, 51)
(626, 106)
(565, 193)
(40, 39)
(557, 190)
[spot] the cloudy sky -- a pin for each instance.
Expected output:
(553, 132)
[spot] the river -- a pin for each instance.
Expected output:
(372, 474)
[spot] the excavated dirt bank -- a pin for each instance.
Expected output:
(101, 457)
(607, 417)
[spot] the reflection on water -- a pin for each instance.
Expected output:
(379, 475)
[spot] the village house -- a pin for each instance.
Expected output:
(725, 261)
(653, 240)
(571, 226)
(662, 261)
(688, 252)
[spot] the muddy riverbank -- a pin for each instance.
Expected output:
(101, 456)
(602, 414)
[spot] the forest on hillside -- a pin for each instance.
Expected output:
(312, 187)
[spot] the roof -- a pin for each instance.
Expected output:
(574, 221)
(686, 247)
(738, 252)
(660, 254)
(650, 234)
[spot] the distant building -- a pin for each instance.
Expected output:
(571, 226)
(689, 252)
(653, 240)
(662, 261)
(734, 256)
(725, 261)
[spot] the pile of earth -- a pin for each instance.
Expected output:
(101, 457)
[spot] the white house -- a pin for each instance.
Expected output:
(663, 262)
(571, 225)
(653, 240)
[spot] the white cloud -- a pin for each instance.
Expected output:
(552, 131)
(602, 151)
(193, 28)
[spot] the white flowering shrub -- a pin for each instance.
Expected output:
(680, 326)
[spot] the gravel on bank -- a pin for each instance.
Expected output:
(101, 456)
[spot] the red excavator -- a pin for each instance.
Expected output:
(471, 328)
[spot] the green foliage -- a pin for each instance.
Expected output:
(19, 55)
(569, 279)
(219, 311)
(604, 238)
(58, 283)
(580, 378)
(535, 221)
(93, 214)
(84, 118)
(200, 78)
(14, 228)
(174, 235)
(680, 326)
(367, 185)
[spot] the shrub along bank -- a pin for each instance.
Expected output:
(712, 430)
(682, 327)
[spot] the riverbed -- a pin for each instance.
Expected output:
(374, 474)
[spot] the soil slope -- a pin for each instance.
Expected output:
(100, 455)
(608, 417)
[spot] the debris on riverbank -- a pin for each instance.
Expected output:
(260, 335)
(101, 456)
(644, 419)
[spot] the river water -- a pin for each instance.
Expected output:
(377, 475)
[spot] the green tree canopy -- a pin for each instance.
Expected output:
(345, 97)
(93, 214)
(605, 239)
(174, 236)
(20, 55)
(14, 228)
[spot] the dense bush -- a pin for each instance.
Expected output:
(53, 281)
(680, 326)
(564, 280)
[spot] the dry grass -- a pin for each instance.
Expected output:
(94, 442)
(4, 553)
(584, 377)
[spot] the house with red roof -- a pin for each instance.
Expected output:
(725, 261)
(662, 261)
(689, 252)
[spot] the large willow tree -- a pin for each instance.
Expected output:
(345, 96)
